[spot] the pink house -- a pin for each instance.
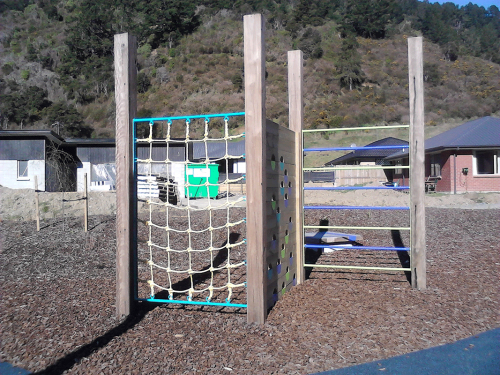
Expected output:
(462, 159)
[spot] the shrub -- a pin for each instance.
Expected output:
(143, 82)
(144, 50)
(25, 74)
(237, 81)
(8, 68)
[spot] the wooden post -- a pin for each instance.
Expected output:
(296, 120)
(255, 119)
(417, 163)
(86, 204)
(125, 52)
(37, 206)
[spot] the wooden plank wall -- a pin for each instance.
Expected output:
(351, 177)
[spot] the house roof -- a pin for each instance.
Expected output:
(481, 133)
(218, 149)
(370, 153)
(48, 134)
(90, 141)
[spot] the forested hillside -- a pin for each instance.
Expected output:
(57, 65)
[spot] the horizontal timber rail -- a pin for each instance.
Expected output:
(355, 128)
(358, 267)
(354, 227)
(349, 247)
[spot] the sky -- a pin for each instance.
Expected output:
(484, 3)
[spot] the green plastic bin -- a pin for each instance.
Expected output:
(198, 174)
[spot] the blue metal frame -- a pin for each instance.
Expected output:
(359, 188)
(134, 208)
(135, 261)
(189, 117)
(355, 148)
(355, 208)
(198, 303)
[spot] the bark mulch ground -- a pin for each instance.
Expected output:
(58, 287)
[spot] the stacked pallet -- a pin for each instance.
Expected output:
(147, 187)
(167, 189)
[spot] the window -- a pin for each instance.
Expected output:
(486, 162)
(435, 165)
(398, 171)
(22, 170)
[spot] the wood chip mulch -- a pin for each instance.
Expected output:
(57, 313)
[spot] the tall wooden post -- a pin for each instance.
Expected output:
(86, 204)
(296, 120)
(255, 119)
(417, 163)
(125, 51)
(37, 206)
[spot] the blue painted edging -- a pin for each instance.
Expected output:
(479, 354)
(8, 369)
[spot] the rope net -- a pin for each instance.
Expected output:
(191, 244)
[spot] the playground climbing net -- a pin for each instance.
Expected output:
(193, 248)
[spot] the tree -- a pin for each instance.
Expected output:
(61, 167)
(165, 21)
(86, 67)
(143, 82)
(310, 44)
(24, 106)
(67, 120)
(369, 18)
(489, 42)
(313, 13)
(348, 64)
(434, 27)
(431, 74)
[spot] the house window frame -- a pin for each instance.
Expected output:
(23, 173)
(496, 163)
(435, 160)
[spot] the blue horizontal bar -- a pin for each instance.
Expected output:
(355, 208)
(357, 247)
(152, 119)
(359, 188)
(201, 303)
(355, 148)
